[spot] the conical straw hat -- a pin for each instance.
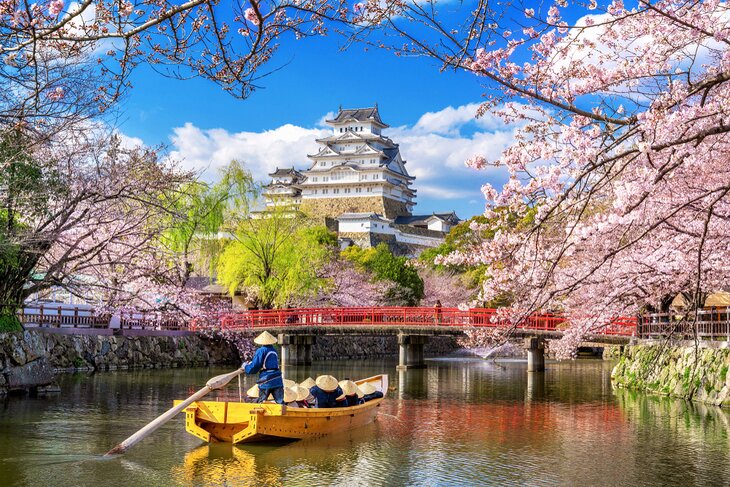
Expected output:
(348, 387)
(290, 394)
(368, 388)
(253, 392)
(359, 392)
(302, 393)
(289, 383)
(265, 338)
(308, 383)
(327, 383)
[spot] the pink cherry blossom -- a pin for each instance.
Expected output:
(251, 16)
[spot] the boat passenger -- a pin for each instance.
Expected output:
(303, 396)
(353, 394)
(265, 362)
(290, 397)
(289, 383)
(326, 392)
(307, 383)
(370, 392)
(252, 395)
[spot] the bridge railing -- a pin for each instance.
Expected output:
(382, 317)
(713, 324)
(407, 316)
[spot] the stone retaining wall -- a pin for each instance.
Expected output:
(30, 359)
(343, 347)
(678, 370)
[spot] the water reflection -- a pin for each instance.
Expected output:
(455, 423)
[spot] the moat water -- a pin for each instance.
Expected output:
(459, 422)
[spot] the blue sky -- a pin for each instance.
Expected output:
(431, 115)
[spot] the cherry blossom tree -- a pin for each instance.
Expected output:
(342, 285)
(452, 289)
(41, 43)
(623, 150)
(82, 214)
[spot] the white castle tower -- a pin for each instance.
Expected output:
(357, 170)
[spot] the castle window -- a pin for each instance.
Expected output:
(315, 191)
(336, 191)
(322, 163)
(324, 191)
(314, 179)
(325, 178)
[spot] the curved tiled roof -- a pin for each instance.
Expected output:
(369, 114)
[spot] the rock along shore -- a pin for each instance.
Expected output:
(680, 370)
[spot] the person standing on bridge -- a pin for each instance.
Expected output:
(265, 362)
(437, 312)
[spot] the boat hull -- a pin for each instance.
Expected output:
(237, 422)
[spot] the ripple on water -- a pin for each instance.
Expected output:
(456, 423)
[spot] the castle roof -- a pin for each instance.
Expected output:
(370, 114)
(287, 171)
(355, 137)
(450, 218)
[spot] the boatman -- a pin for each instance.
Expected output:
(265, 362)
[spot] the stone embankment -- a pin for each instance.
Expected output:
(687, 372)
(29, 360)
(355, 347)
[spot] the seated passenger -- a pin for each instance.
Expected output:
(353, 395)
(303, 396)
(326, 392)
(252, 395)
(290, 397)
(308, 383)
(370, 392)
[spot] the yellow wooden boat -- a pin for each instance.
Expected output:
(239, 422)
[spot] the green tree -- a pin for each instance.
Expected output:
(407, 288)
(196, 214)
(277, 257)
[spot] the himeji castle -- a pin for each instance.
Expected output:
(358, 183)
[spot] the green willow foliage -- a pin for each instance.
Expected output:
(276, 258)
(196, 214)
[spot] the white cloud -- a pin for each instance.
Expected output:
(262, 152)
(435, 149)
(450, 120)
(128, 142)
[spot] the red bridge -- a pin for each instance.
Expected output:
(371, 320)
(298, 328)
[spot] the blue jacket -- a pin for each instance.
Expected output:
(374, 395)
(324, 399)
(266, 362)
(353, 400)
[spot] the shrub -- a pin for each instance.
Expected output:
(10, 323)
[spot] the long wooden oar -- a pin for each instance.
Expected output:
(216, 382)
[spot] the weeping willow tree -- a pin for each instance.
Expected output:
(198, 213)
(278, 258)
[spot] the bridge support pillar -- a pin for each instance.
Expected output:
(296, 349)
(411, 351)
(535, 347)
